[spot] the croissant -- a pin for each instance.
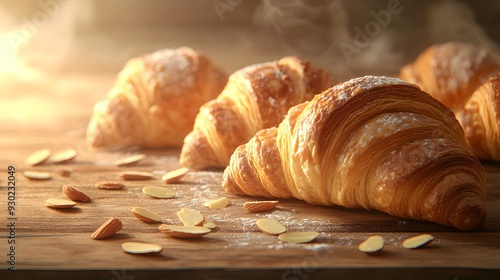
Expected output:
(372, 142)
(255, 97)
(450, 72)
(155, 99)
(480, 119)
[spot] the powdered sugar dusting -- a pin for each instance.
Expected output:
(173, 68)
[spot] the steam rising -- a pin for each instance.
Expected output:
(319, 29)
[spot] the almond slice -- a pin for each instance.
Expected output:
(141, 248)
(110, 185)
(372, 244)
(110, 227)
(128, 161)
(417, 241)
(75, 194)
(209, 224)
(174, 175)
(37, 175)
(159, 192)
(270, 226)
(190, 217)
(145, 215)
(260, 206)
(65, 171)
(135, 175)
(298, 237)
(37, 157)
(218, 203)
(63, 156)
(184, 231)
(59, 203)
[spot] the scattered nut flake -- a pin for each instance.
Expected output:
(65, 171)
(209, 224)
(141, 248)
(218, 203)
(63, 156)
(184, 231)
(417, 241)
(145, 215)
(190, 217)
(260, 206)
(38, 157)
(59, 203)
(159, 192)
(75, 194)
(110, 185)
(372, 244)
(135, 175)
(37, 175)
(298, 237)
(110, 227)
(174, 175)
(270, 226)
(128, 161)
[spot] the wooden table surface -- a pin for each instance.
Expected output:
(56, 243)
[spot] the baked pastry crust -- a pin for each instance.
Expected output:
(155, 99)
(373, 142)
(255, 97)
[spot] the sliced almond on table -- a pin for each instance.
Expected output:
(190, 217)
(59, 203)
(270, 226)
(174, 175)
(37, 157)
(217, 203)
(417, 241)
(260, 206)
(135, 175)
(75, 194)
(128, 161)
(63, 156)
(159, 192)
(145, 215)
(110, 227)
(65, 172)
(298, 237)
(372, 244)
(37, 175)
(184, 231)
(209, 224)
(141, 248)
(110, 185)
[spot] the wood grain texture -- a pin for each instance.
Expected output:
(51, 239)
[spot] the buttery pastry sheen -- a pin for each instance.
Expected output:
(155, 99)
(255, 97)
(450, 72)
(372, 142)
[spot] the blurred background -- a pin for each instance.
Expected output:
(55, 52)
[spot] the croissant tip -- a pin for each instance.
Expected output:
(471, 217)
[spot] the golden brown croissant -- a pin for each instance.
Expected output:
(481, 120)
(155, 100)
(450, 72)
(254, 98)
(372, 142)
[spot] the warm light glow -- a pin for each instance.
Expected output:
(11, 64)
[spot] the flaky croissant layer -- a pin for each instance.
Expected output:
(255, 97)
(155, 99)
(372, 142)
